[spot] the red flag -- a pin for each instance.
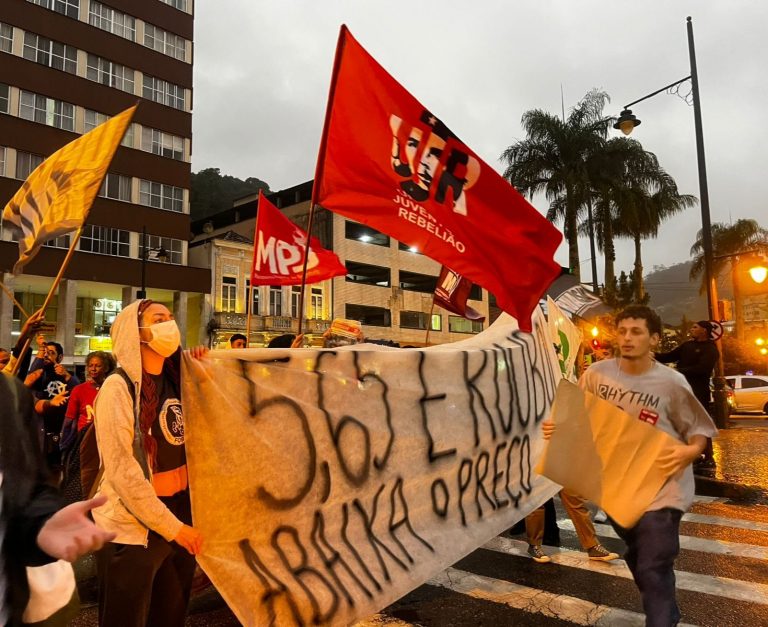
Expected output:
(278, 251)
(388, 162)
(451, 294)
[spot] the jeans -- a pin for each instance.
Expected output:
(652, 546)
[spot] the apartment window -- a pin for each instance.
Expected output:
(105, 241)
(161, 91)
(50, 53)
(109, 73)
(94, 118)
(406, 247)
(163, 144)
(295, 296)
(177, 4)
(70, 8)
(2, 160)
(172, 247)
(26, 162)
(229, 293)
(4, 97)
(115, 22)
(457, 324)
(365, 234)
(152, 194)
(419, 320)
(371, 316)
(316, 303)
(165, 42)
(251, 298)
(368, 274)
(475, 292)
(62, 241)
(116, 187)
(415, 282)
(6, 37)
(46, 111)
(275, 300)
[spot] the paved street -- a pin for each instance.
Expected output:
(722, 570)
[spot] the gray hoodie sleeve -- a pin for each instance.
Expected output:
(114, 421)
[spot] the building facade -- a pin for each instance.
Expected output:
(388, 288)
(65, 67)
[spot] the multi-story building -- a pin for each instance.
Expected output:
(388, 288)
(65, 67)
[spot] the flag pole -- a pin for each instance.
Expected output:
(51, 291)
(429, 321)
(13, 298)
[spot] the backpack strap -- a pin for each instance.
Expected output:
(138, 444)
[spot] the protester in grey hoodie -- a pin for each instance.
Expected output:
(146, 573)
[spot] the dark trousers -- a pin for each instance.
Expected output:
(145, 586)
(652, 546)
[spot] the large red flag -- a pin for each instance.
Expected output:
(388, 162)
(451, 293)
(278, 251)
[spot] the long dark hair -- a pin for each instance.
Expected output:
(149, 401)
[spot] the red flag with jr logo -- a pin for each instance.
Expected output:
(278, 251)
(388, 162)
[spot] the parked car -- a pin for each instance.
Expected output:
(730, 397)
(750, 392)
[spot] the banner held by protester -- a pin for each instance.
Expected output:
(387, 161)
(327, 484)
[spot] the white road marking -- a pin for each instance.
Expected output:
(536, 601)
(707, 584)
(691, 543)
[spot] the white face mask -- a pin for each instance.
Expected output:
(166, 338)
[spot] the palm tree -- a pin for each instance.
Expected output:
(552, 159)
(648, 197)
(728, 240)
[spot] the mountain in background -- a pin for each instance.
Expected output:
(673, 294)
(213, 192)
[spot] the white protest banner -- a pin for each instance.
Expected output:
(329, 483)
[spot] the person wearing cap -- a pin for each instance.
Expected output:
(696, 360)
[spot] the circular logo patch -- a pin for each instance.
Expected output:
(172, 422)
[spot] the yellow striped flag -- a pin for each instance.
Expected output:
(56, 197)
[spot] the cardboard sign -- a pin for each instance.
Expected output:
(329, 483)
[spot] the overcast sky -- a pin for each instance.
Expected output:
(262, 70)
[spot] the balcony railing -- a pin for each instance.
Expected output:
(228, 321)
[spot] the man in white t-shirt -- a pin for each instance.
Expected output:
(658, 395)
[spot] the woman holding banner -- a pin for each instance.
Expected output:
(146, 572)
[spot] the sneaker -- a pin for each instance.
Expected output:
(538, 555)
(601, 516)
(599, 553)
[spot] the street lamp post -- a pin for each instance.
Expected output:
(626, 123)
(160, 255)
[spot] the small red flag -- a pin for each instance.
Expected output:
(451, 294)
(278, 251)
(386, 161)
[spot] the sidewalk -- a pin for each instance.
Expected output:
(741, 454)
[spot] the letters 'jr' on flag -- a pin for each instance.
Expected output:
(56, 197)
(278, 251)
(386, 161)
(451, 294)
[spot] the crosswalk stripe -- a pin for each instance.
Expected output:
(707, 584)
(737, 523)
(535, 601)
(691, 543)
(700, 498)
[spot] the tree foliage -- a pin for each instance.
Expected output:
(213, 192)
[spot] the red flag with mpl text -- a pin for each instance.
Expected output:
(388, 162)
(278, 251)
(451, 293)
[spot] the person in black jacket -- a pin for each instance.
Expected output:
(34, 529)
(696, 360)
